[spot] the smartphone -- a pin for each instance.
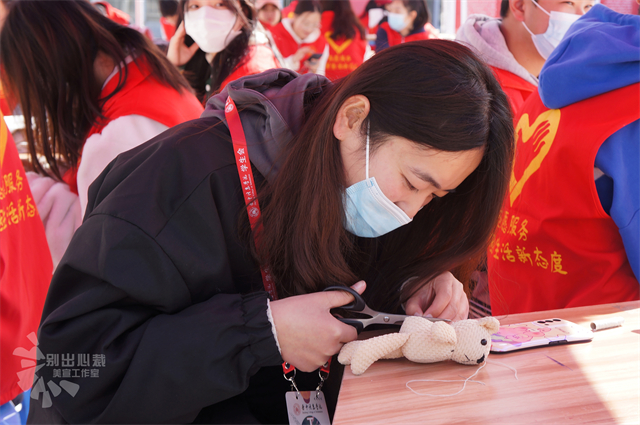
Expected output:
(315, 57)
(539, 333)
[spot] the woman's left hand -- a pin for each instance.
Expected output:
(312, 65)
(442, 297)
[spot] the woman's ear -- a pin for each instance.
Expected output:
(350, 116)
(413, 14)
(516, 7)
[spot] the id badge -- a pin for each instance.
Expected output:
(307, 408)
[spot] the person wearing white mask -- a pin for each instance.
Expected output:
(219, 41)
(517, 45)
(407, 20)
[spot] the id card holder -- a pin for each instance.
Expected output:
(307, 408)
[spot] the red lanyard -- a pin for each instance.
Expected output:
(253, 207)
(248, 183)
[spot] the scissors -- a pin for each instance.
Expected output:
(375, 317)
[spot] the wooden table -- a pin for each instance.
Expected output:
(596, 382)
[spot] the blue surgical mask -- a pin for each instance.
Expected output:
(368, 212)
(559, 23)
(397, 21)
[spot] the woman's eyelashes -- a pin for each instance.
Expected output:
(410, 186)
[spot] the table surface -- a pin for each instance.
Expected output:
(596, 382)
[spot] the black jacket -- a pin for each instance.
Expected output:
(158, 281)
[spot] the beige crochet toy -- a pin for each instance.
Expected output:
(420, 340)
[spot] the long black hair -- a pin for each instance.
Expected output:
(345, 23)
(201, 73)
(47, 50)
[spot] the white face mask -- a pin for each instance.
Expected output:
(211, 29)
(559, 23)
(397, 21)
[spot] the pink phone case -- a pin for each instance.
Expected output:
(539, 333)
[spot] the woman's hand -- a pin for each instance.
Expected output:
(297, 57)
(312, 65)
(308, 333)
(442, 297)
(178, 53)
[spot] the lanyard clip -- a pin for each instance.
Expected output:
(289, 373)
(323, 373)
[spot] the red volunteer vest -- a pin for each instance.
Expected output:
(168, 29)
(25, 271)
(345, 55)
(142, 95)
(555, 247)
(394, 37)
(289, 46)
(4, 103)
(516, 89)
(259, 59)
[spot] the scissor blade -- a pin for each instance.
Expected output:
(400, 320)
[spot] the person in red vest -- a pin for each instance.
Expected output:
(508, 46)
(87, 102)
(406, 21)
(218, 42)
(371, 17)
(300, 37)
(509, 49)
(570, 226)
(269, 12)
(25, 272)
(346, 39)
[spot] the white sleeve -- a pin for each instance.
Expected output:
(59, 210)
(118, 136)
(368, 53)
(322, 65)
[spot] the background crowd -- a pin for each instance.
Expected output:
(569, 228)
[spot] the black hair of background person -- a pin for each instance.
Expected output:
(198, 71)
(504, 8)
(304, 240)
(304, 6)
(168, 7)
(345, 23)
(47, 51)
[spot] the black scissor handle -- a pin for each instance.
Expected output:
(357, 305)
(353, 322)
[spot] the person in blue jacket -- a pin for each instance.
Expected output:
(601, 53)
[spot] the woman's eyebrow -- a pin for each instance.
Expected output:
(426, 177)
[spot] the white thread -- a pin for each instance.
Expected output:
(507, 366)
(458, 380)
(438, 380)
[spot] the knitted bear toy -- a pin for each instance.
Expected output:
(420, 340)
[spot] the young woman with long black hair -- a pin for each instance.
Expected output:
(218, 41)
(200, 266)
(92, 88)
